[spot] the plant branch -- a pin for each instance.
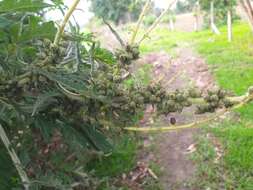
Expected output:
(157, 21)
(65, 21)
(115, 33)
(15, 159)
(141, 17)
(241, 101)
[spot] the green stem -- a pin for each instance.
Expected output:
(144, 11)
(16, 161)
(240, 101)
(157, 21)
(65, 21)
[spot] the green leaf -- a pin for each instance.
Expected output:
(71, 81)
(36, 30)
(8, 113)
(45, 125)
(72, 136)
(44, 100)
(104, 56)
(97, 139)
(5, 23)
(22, 6)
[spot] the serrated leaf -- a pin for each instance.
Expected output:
(22, 6)
(43, 100)
(7, 112)
(104, 56)
(72, 136)
(5, 23)
(70, 81)
(97, 139)
(45, 125)
(36, 30)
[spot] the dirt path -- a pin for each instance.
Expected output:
(173, 149)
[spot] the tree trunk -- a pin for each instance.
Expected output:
(196, 24)
(172, 26)
(197, 17)
(229, 23)
(213, 26)
(246, 5)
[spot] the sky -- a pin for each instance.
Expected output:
(82, 14)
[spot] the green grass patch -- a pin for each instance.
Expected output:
(232, 65)
(164, 40)
(235, 169)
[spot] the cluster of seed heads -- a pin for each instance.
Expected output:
(127, 54)
(213, 100)
(11, 90)
(133, 100)
(54, 53)
(166, 102)
(123, 100)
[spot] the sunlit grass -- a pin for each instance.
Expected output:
(232, 65)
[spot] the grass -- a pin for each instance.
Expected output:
(235, 169)
(163, 40)
(232, 63)
(232, 66)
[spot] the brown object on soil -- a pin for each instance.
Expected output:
(173, 121)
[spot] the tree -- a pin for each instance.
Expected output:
(196, 14)
(229, 6)
(117, 10)
(219, 12)
(247, 7)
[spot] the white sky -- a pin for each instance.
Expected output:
(82, 14)
(162, 3)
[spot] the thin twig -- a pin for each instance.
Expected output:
(174, 77)
(16, 161)
(65, 21)
(141, 17)
(115, 33)
(157, 21)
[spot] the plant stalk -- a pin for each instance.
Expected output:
(16, 161)
(65, 21)
(157, 21)
(241, 101)
(141, 17)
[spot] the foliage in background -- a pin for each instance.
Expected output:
(220, 10)
(185, 6)
(118, 11)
